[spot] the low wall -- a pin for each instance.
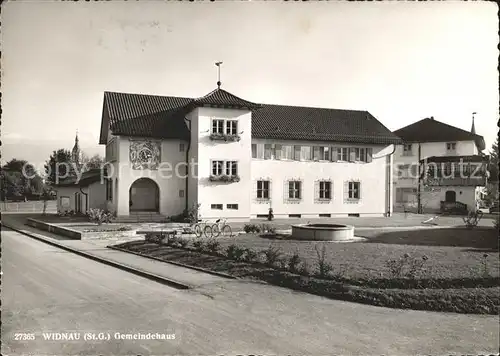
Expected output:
(59, 230)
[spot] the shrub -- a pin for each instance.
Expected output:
(154, 238)
(188, 215)
(272, 255)
(124, 228)
(198, 245)
(212, 245)
(294, 262)
(99, 216)
(250, 255)
(183, 242)
(323, 266)
(406, 266)
(235, 253)
(251, 228)
(267, 229)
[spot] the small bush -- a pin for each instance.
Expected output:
(212, 246)
(198, 245)
(323, 266)
(188, 215)
(183, 242)
(250, 255)
(406, 266)
(235, 253)
(304, 269)
(251, 228)
(272, 254)
(294, 263)
(124, 228)
(99, 216)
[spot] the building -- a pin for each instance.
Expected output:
(237, 159)
(444, 161)
(79, 194)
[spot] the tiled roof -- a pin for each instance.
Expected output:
(431, 130)
(318, 124)
(220, 97)
(439, 159)
(87, 178)
(163, 117)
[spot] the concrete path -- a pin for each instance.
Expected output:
(46, 289)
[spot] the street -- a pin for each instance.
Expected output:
(45, 289)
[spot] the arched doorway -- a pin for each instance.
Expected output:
(450, 196)
(144, 195)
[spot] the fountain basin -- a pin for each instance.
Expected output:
(323, 232)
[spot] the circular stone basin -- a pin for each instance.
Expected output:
(323, 232)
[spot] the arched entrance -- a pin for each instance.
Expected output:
(450, 196)
(144, 195)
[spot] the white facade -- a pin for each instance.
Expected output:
(81, 199)
(406, 161)
(358, 185)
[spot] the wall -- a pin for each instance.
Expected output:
(431, 200)
(373, 178)
(96, 196)
(169, 177)
(223, 193)
(192, 192)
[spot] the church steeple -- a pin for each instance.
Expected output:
(473, 128)
(75, 153)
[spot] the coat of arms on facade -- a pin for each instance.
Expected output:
(145, 154)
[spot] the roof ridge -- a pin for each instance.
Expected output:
(316, 108)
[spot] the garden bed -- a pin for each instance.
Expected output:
(479, 294)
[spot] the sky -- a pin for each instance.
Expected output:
(401, 61)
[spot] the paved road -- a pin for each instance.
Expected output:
(45, 289)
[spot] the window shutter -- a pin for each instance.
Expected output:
(369, 154)
(254, 190)
(254, 150)
(316, 153)
(260, 150)
(296, 153)
(316, 190)
(270, 187)
(335, 154)
(285, 190)
(346, 190)
(352, 155)
(359, 190)
(277, 152)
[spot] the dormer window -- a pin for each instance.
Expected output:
(451, 146)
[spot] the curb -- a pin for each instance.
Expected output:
(141, 273)
(199, 269)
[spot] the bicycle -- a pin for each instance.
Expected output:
(201, 227)
(219, 227)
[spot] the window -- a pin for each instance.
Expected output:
(325, 190)
(268, 150)
(181, 147)
(294, 189)
(406, 195)
(451, 146)
(111, 150)
(181, 193)
(109, 189)
(305, 153)
(257, 150)
(287, 152)
(278, 149)
(216, 206)
(354, 190)
(407, 149)
(232, 206)
(218, 126)
(360, 154)
(404, 171)
(343, 153)
(217, 167)
(231, 127)
(263, 189)
(296, 153)
(324, 153)
(231, 168)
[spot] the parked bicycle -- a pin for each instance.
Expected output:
(220, 227)
(201, 227)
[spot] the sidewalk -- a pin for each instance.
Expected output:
(179, 277)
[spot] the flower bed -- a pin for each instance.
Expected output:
(465, 295)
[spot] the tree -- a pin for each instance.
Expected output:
(19, 178)
(492, 187)
(59, 166)
(87, 163)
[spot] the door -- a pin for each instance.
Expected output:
(450, 196)
(144, 195)
(78, 203)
